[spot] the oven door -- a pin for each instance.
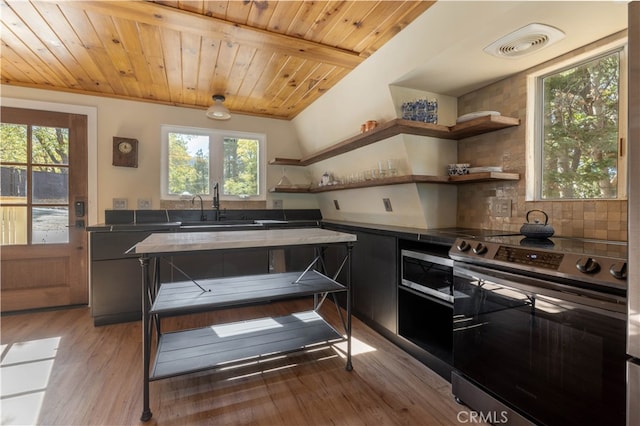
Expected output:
(427, 274)
(557, 358)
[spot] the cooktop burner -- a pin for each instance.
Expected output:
(599, 262)
(616, 249)
(470, 233)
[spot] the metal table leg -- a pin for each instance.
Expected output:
(349, 366)
(146, 336)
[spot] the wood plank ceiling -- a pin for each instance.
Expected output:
(268, 58)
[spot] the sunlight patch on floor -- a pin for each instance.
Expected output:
(357, 347)
(25, 369)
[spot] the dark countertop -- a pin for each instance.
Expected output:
(201, 226)
(435, 235)
(159, 226)
(442, 236)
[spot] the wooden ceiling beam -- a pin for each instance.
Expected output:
(179, 20)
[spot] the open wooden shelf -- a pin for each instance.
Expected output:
(484, 177)
(474, 127)
(398, 180)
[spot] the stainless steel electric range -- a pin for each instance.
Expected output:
(540, 328)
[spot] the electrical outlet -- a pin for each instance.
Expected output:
(277, 204)
(387, 204)
(501, 207)
(336, 205)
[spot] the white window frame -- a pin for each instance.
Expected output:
(216, 138)
(534, 139)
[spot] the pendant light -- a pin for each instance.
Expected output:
(218, 111)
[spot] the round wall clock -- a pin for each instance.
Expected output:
(125, 152)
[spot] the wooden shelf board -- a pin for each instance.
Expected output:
(398, 180)
(484, 177)
(200, 349)
(482, 125)
(290, 190)
(278, 161)
(384, 131)
(398, 126)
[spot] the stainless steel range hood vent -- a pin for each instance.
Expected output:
(524, 41)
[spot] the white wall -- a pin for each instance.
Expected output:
(369, 93)
(141, 120)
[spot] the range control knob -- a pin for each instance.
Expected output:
(463, 246)
(480, 248)
(588, 265)
(619, 270)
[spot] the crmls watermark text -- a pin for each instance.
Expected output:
(493, 417)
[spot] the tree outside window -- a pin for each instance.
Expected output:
(580, 130)
(240, 167)
(188, 163)
(196, 159)
(34, 184)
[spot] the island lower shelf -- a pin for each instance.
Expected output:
(189, 351)
(185, 297)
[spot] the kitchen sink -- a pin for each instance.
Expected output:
(157, 226)
(208, 224)
(218, 222)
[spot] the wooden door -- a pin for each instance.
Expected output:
(43, 161)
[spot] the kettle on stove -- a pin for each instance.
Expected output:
(536, 229)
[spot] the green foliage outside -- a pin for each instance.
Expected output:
(240, 167)
(49, 160)
(50, 145)
(580, 148)
(187, 174)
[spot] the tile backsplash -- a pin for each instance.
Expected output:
(477, 202)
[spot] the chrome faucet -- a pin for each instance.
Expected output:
(203, 217)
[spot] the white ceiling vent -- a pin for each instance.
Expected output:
(524, 41)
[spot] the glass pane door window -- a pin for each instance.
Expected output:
(34, 184)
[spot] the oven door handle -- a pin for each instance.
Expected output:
(602, 303)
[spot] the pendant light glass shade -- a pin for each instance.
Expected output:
(218, 111)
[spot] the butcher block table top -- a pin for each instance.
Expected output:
(173, 242)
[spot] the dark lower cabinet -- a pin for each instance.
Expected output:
(116, 289)
(116, 294)
(374, 277)
(420, 326)
(214, 265)
(116, 277)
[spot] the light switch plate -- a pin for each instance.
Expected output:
(336, 204)
(387, 204)
(501, 207)
(120, 203)
(144, 203)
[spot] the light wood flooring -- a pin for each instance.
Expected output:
(95, 378)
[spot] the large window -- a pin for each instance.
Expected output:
(580, 129)
(194, 160)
